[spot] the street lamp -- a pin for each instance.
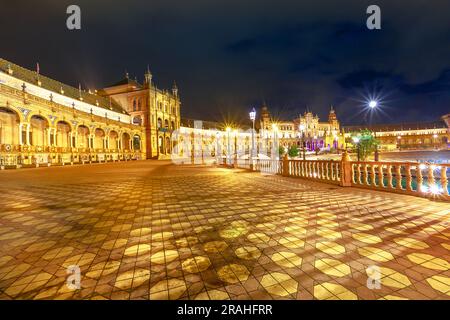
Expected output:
(302, 141)
(275, 140)
(356, 140)
(235, 131)
(228, 145)
(252, 115)
(373, 104)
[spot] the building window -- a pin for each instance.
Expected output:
(137, 120)
(139, 105)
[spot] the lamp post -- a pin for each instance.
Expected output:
(302, 140)
(376, 156)
(372, 105)
(336, 143)
(228, 146)
(356, 140)
(236, 131)
(275, 140)
(252, 115)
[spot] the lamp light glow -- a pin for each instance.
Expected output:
(252, 114)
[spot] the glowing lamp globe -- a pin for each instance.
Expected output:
(252, 114)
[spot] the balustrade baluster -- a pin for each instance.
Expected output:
(332, 171)
(366, 175)
(380, 176)
(444, 180)
(419, 178)
(354, 166)
(337, 175)
(389, 176)
(319, 170)
(408, 177)
(373, 172)
(359, 174)
(431, 180)
(399, 177)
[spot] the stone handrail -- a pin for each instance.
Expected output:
(327, 171)
(269, 166)
(418, 179)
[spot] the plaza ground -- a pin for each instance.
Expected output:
(153, 230)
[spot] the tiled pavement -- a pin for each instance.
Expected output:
(151, 230)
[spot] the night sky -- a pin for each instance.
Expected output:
(228, 56)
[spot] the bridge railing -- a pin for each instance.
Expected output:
(418, 179)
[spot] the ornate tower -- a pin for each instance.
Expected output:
(265, 118)
(332, 120)
(148, 77)
(175, 89)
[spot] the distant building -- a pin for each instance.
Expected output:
(408, 136)
(156, 110)
(306, 129)
(44, 122)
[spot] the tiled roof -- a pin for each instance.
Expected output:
(125, 81)
(55, 86)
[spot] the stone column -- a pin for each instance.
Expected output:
(20, 133)
(28, 133)
(55, 136)
(71, 140)
(285, 166)
(346, 170)
(48, 136)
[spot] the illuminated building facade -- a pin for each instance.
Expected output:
(155, 110)
(45, 122)
(409, 136)
(306, 129)
(207, 142)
